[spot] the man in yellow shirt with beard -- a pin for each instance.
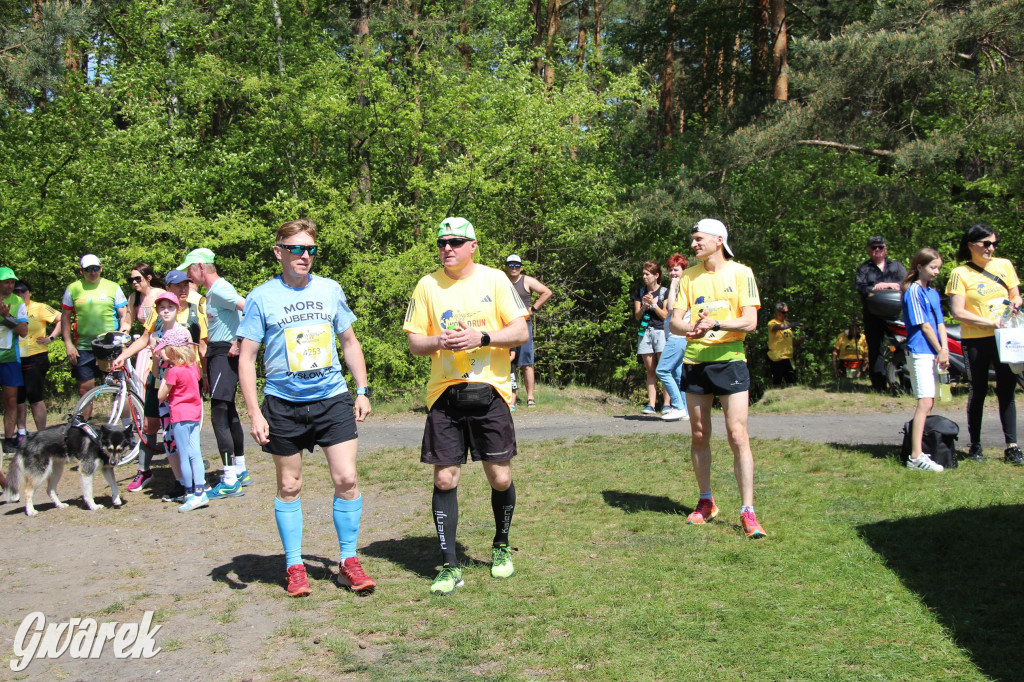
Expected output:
(722, 298)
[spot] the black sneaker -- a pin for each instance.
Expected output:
(177, 494)
(974, 452)
(1012, 455)
(10, 445)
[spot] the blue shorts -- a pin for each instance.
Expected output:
(524, 353)
(10, 374)
(86, 369)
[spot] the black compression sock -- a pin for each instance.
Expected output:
(445, 505)
(503, 504)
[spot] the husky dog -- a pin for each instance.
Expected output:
(42, 456)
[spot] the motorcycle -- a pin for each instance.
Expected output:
(888, 305)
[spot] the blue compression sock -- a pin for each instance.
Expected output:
(289, 527)
(346, 522)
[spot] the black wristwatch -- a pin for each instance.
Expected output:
(365, 390)
(485, 339)
(717, 326)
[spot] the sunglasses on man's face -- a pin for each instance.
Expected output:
(454, 242)
(511, 266)
(297, 249)
(92, 268)
(988, 243)
(878, 247)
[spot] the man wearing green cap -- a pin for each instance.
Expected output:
(13, 322)
(465, 317)
(223, 308)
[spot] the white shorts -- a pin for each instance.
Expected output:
(924, 375)
(651, 342)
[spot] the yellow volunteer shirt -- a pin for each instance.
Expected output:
(850, 349)
(39, 315)
(486, 301)
(721, 294)
(981, 295)
(780, 343)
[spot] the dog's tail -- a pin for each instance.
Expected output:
(13, 490)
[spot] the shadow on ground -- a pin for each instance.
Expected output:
(246, 569)
(964, 564)
(419, 555)
(632, 503)
(876, 450)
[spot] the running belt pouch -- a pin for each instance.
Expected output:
(1010, 341)
(939, 440)
(471, 395)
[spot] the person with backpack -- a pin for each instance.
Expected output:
(982, 292)
(926, 346)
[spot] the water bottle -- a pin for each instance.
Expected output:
(944, 392)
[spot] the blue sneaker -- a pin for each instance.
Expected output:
(244, 478)
(648, 409)
(221, 490)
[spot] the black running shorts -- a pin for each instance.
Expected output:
(295, 427)
(716, 378)
(486, 432)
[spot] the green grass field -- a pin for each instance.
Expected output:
(870, 572)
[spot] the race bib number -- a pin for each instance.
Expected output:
(309, 347)
(6, 336)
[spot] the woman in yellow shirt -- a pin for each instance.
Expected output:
(981, 292)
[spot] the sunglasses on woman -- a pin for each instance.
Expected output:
(988, 243)
(134, 280)
(297, 249)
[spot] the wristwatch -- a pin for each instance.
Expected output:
(717, 326)
(365, 390)
(485, 339)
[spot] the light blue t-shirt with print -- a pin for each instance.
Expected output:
(222, 317)
(298, 328)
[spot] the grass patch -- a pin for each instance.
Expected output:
(857, 399)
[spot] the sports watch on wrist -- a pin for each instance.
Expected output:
(485, 339)
(717, 326)
(365, 390)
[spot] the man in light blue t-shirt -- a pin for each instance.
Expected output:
(297, 316)
(223, 315)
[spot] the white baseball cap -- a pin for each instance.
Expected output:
(88, 260)
(716, 228)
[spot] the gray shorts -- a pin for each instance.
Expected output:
(653, 341)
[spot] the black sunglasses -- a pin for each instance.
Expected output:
(988, 243)
(877, 247)
(92, 268)
(297, 249)
(454, 242)
(513, 265)
(134, 280)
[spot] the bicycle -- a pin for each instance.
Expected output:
(118, 400)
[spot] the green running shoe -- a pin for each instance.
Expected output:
(501, 562)
(447, 580)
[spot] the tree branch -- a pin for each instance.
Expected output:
(882, 153)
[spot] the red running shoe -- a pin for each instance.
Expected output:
(705, 511)
(298, 583)
(352, 576)
(751, 527)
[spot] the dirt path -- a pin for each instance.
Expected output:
(213, 577)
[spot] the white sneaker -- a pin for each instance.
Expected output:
(674, 415)
(924, 463)
(194, 502)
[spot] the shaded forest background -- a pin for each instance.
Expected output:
(587, 136)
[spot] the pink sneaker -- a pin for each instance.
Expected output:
(751, 527)
(705, 511)
(141, 480)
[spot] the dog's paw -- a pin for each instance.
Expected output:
(117, 502)
(60, 505)
(31, 512)
(95, 506)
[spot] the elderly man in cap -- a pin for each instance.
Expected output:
(526, 287)
(464, 317)
(878, 273)
(223, 315)
(92, 305)
(13, 324)
(721, 296)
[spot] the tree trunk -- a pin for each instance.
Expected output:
(359, 146)
(597, 31)
(581, 34)
(554, 21)
(278, 36)
(761, 57)
(780, 51)
(667, 96)
(537, 10)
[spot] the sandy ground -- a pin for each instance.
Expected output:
(114, 564)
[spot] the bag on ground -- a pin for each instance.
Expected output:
(939, 440)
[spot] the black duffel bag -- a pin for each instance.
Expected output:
(939, 440)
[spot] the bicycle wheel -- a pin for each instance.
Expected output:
(112, 406)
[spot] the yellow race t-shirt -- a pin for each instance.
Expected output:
(721, 294)
(981, 295)
(851, 349)
(182, 319)
(486, 301)
(39, 315)
(780, 343)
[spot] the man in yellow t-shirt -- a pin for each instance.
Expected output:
(850, 349)
(465, 317)
(780, 346)
(721, 296)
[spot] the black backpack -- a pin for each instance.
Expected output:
(939, 440)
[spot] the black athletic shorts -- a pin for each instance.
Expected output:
(222, 370)
(33, 374)
(295, 427)
(716, 378)
(486, 432)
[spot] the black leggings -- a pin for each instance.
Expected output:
(227, 428)
(978, 355)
